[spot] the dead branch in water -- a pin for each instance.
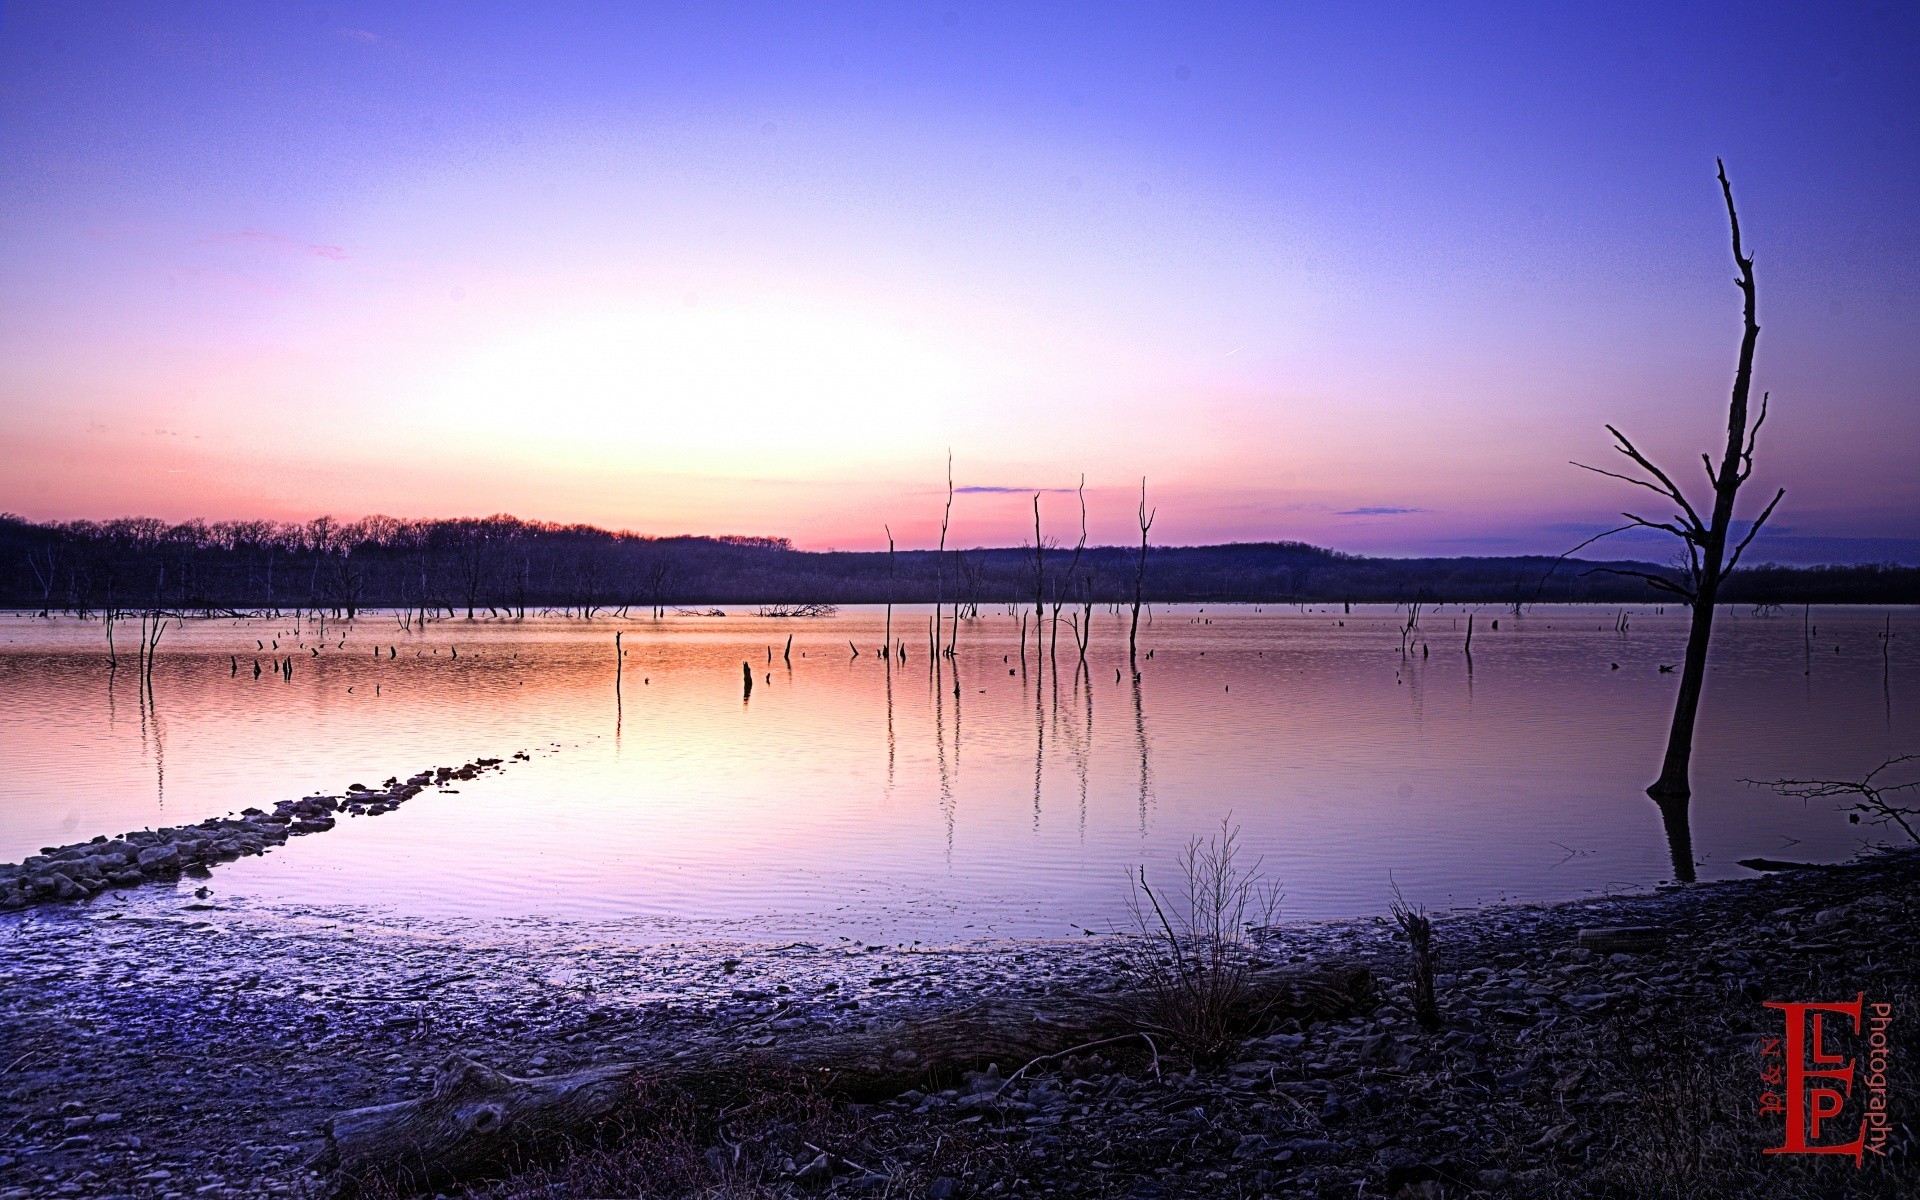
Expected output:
(1873, 796)
(798, 610)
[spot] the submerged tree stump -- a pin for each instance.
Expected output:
(478, 1121)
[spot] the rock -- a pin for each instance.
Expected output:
(815, 1173)
(155, 860)
(1627, 939)
(1312, 1148)
(1409, 1177)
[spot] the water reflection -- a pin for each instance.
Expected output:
(831, 792)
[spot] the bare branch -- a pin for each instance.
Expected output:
(1673, 490)
(1894, 762)
(1733, 219)
(1758, 522)
(1542, 585)
(1872, 797)
(1685, 535)
(1660, 582)
(1658, 491)
(1753, 436)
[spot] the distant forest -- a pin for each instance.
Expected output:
(503, 565)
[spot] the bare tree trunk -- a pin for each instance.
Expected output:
(1139, 575)
(1073, 573)
(1708, 563)
(1736, 463)
(1674, 782)
(1039, 581)
(940, 563)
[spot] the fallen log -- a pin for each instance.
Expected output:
(479, 1122)
(1630, 939)
(1780, 864)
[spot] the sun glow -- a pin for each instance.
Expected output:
(695, 383)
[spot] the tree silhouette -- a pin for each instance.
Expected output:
(1708, 563)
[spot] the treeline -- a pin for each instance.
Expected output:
(506, 565)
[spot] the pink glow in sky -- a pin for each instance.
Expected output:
(1363, 282)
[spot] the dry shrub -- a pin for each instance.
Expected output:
(1195, 957)
(1417, 928)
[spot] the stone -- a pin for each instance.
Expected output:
(815, 1173)
(1627, 939)
(157, 859)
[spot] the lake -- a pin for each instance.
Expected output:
(847, 797)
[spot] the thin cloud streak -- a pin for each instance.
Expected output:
(982, 489)
(277, 241)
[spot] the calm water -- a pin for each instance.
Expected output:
(844, 799)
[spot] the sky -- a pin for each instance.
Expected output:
(1362, 275)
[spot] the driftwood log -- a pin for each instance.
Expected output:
(478, 1121)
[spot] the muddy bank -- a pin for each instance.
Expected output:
(156, 1048)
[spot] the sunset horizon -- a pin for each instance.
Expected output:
(712, 284)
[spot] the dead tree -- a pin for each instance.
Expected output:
(1073, 573)
(1039, 579)
(1705, 539)
(940, 563)
(1413, 623)
(44, 567)
(1139, 574)
(658, 569)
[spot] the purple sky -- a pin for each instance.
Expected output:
(1364, 276)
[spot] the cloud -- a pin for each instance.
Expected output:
(280, 242)
(1377, 510)
(990, 490)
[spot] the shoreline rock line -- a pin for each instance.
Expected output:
(85, 869)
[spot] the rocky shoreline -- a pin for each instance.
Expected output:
(66, 873)
(155, 1049)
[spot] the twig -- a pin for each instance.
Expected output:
(843, 1158)
(12, 1066)
(419, 992)
(1072, 1050)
